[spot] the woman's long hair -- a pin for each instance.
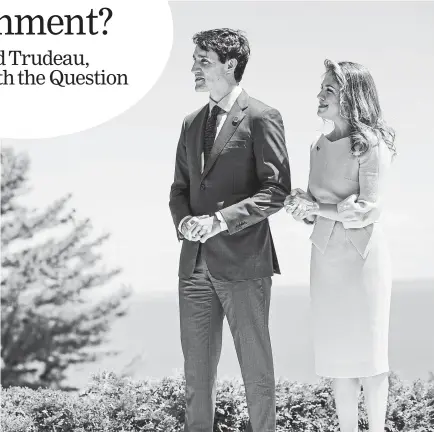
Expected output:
(359, 105)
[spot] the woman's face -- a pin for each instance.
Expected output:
(328, 97)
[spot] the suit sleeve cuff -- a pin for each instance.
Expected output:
(223, 224)
(182, 221)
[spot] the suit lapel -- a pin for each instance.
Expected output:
(233, 120)
(198, 132)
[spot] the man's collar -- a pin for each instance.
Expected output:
(228, 101)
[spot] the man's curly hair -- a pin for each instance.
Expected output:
(227, 44)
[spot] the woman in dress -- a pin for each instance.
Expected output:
(350, 274)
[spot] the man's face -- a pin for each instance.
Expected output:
(209, 73)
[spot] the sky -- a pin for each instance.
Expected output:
(120, 172)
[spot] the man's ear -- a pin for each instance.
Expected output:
(231, 64)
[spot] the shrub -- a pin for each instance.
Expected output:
(113, 404)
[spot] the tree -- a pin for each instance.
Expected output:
(52, 312)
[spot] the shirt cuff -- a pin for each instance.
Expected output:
(223, 224)
(182, 221)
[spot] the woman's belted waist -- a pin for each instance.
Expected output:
(359, 237)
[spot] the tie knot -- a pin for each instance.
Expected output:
(216, 111)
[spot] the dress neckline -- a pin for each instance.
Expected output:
(333, 142)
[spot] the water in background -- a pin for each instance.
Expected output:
(149, 343)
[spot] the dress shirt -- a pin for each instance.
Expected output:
(226, 104)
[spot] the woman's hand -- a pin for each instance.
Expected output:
(300, 205)
(291, 201)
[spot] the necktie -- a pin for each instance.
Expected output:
(210, 132)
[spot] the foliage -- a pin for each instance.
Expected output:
(115, 404)
(52, 314)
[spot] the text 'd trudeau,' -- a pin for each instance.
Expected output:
(71, 65)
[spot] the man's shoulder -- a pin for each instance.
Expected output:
(257, 108)
(189, 118)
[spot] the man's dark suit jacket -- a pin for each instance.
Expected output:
(246, 178)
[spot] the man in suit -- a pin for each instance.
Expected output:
(231, 173)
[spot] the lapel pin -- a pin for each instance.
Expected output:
(235, 121)
(317, 148)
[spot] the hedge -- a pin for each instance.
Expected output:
(111, 403)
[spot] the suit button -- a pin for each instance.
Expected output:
(202, 186)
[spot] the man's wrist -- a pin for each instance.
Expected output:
(220, 218)
(183, 220)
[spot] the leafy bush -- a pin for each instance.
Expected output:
(113, 404)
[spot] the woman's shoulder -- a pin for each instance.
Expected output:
(377, 153)
(316, 141)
